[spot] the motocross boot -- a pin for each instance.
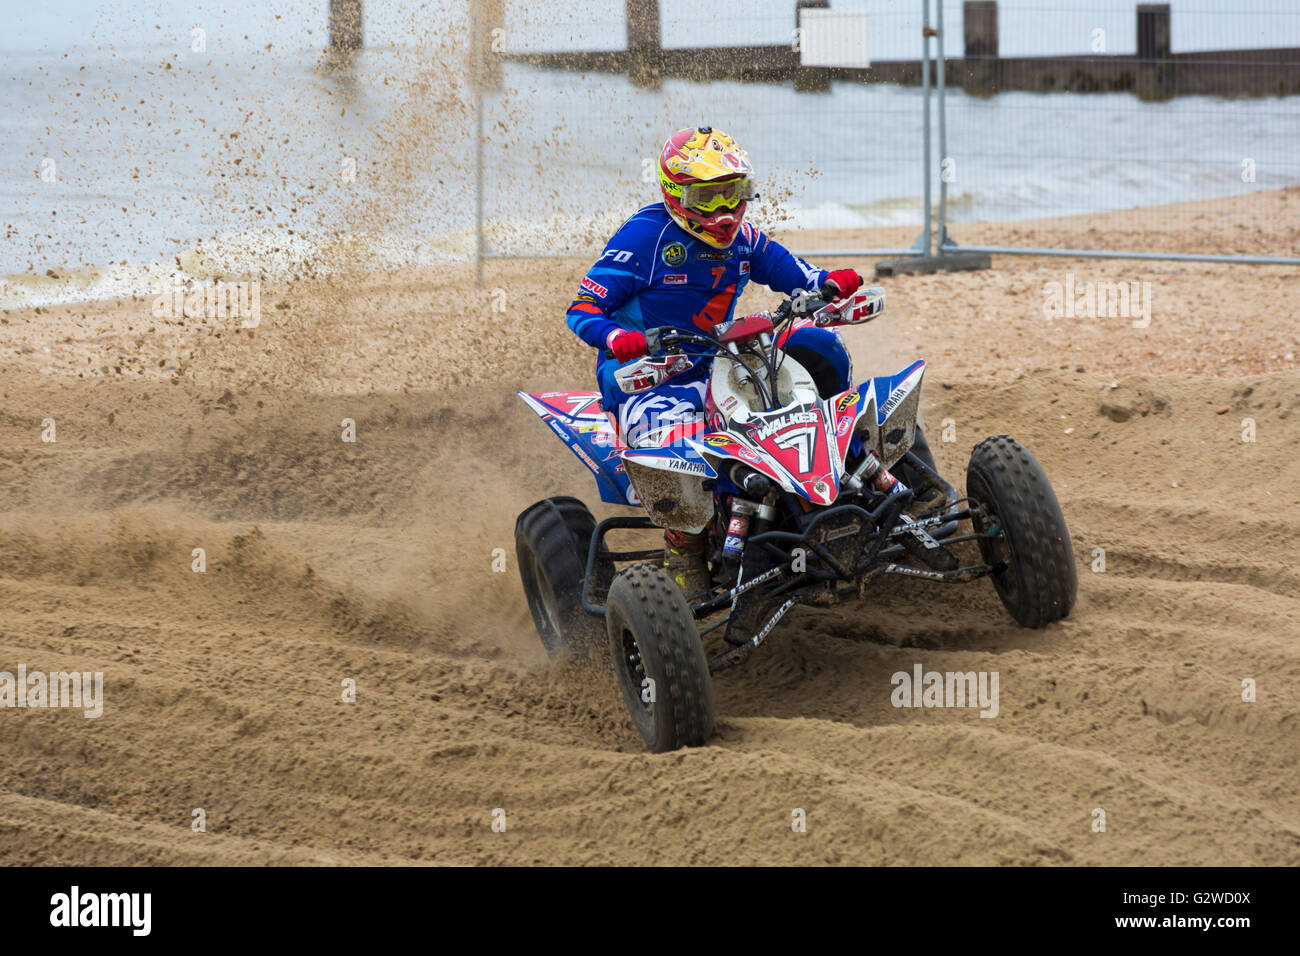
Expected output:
(685, 564)
(751, 613)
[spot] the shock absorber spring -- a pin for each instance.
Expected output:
(879, 477)
(742, 512)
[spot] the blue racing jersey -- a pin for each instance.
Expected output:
(654, 273)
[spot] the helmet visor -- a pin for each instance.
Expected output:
(713, 197)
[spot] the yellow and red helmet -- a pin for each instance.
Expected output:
(705, 179)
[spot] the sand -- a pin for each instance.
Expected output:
(372, 561)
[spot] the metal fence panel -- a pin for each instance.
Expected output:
(1112, 128)
(1044, 113)
(570, 152)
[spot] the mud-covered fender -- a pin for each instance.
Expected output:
(669, 482)
(883, 413)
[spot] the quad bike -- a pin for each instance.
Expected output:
(806, 495)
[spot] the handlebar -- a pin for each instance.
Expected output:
(665, 336)
(803, 303)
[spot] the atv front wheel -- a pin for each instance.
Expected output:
(659, 660)
(551, 542)
(1006, 482)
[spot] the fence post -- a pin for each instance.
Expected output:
(941, 233)
(492, 40)
(980, 25)
(643, 43)
(345, 25)
(929, 256)
(478, 44)
(923, 245)
(1155, 67)
(809, 79)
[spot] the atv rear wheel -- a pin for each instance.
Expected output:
(1039, 583)
(551, 542)
(659, 660)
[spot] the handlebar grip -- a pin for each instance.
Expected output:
(658, 338)
(651, 344)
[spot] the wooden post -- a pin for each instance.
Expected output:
(492, 23)
(1155, 65)
(345, 23)
(810, 79)
(980, 73)
(643, 44)
(486, 45)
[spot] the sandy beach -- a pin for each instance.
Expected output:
(372, 561)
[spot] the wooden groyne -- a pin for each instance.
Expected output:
(1154, 72)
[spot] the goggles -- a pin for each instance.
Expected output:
(714, 197)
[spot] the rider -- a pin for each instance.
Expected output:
(684, 263)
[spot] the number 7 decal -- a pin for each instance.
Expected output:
(716, 310)
(580, 403)
(801, 440)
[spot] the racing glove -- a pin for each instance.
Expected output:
(846, 282)
(626, 345)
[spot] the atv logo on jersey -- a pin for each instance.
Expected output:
(714, 255)
(589, 284)
(674, 254)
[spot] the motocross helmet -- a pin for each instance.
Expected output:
(705, 180)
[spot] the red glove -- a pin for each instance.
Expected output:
(846, 281)
(626, 345)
